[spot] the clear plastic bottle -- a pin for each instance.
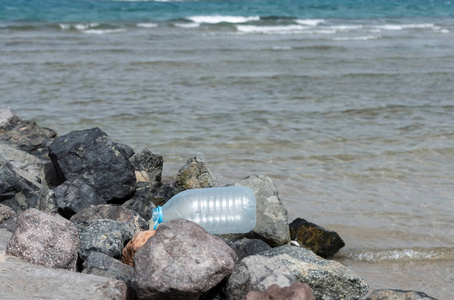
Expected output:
(218, 210)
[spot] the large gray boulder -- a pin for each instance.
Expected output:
(328, 279)
(18, 189)
(297, 291)
(393, 294)
(23, 135)
(194, 175)
(257, 273)
(45, 239)
(113, 212)
(181, 261)
(91, 155)
(73, 195)
(272, 216)
(105, 236)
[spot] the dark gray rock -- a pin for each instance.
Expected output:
(328, 279)
(18, 189)
(257, 273)
(323, 242)
(246, 247)
(105, 236)
(45, 239)
(161, 193)
(297, 291)
(93, 156)
(398, 295)
(74, 195)
(181, 261)
(193, 175)
(148, 166)
(103, 265)
(272, 216)
(141, 203)
(23, 135)
(113, 212)
(126, 150)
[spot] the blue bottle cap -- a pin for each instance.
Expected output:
(157, 216)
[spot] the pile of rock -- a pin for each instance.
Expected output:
(82, 202)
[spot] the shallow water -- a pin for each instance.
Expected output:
(351, 118)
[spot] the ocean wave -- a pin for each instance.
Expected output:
(79, 27)
(399, 254)
(222, 19)
(147, 25)
(310, 22)
(357, 38)
(270, 29)
(104, 31)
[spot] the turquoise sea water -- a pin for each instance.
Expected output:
(348, 106)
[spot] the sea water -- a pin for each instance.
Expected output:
(347, 105)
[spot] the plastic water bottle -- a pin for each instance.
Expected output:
(218, 210)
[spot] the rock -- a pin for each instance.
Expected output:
(92, 155)
(124, 149)
(193, 175)
(323, 242)
(6, 213)
(45, 239)
(148, 166)
(105, 236)
(297, 291)
(134, 244)
(246, 247)
(272, 216)
(257, 273)
(18, 189)
(74, 195)
(329, 280)
(112, 212)
(398, 295)
(23, 135)
(161, 193)
(181, 261)
(142, 202)
(103, 265)
(39, 169)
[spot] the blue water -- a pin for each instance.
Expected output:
(113, 11)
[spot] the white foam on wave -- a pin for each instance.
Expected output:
(147, 25)
(404, 254)
(310, 22)
(357, 38)
(104, 31)
(346, 27)
(389, 27)
(419, 26)
(187, 25)
(270, 29)
(78, 26)
(222, 19)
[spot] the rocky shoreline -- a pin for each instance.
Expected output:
(78, 209)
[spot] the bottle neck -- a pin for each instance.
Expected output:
(157, 216)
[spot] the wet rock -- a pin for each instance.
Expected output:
(323, 242)
(193, 175)
(148, 166)
(181, 261)
(329, 280)
(74, 195)
(112, 212)
(398, 295)
(105, 236)
(272, 216)
(93, 156)
(23, 135)
(18, 189)
(45, 239)
(246, 247)
(142, 202)
(134, 244)
(297, 291)
(103, 265)
(257, 273)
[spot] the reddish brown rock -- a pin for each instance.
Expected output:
(134, 244)
(297, 291)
